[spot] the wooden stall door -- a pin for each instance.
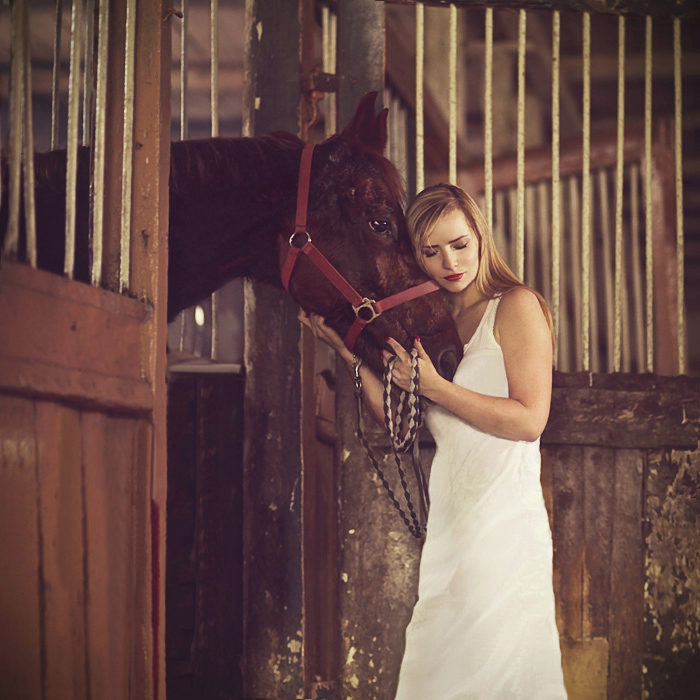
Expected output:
(621, 469)
(82, 448)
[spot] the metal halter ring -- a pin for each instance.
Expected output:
(299, 233)
(367, 305)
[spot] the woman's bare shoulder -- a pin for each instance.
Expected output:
(520, 300)
(519, 309)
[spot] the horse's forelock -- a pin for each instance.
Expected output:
(389, 174)
(221, 162)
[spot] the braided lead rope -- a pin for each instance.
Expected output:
(393, 420)
(413, 525)
(414, 424)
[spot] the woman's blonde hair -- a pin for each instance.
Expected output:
(493, 277)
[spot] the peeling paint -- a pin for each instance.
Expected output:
(351, 656)
(672, 590)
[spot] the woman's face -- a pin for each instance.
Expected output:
(451, 253)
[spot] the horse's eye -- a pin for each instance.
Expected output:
(381, 226)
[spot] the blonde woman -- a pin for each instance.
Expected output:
(484, 624)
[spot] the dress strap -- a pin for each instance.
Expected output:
(490, 313)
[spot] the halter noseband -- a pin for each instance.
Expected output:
(366, 310)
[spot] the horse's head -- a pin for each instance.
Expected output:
(357, 222)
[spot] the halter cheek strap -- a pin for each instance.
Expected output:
(366, 310)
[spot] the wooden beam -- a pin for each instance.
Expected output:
(657, 8)
(604, 67)
(642, 411)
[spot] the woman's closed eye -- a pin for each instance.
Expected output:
(432, 252)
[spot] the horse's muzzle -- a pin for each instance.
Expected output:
(447, 363)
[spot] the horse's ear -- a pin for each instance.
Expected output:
(365, 127)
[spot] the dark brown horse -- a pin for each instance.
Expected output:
(232, 208)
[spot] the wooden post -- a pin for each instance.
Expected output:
(149, 266)
(375, 608)
(272, 461)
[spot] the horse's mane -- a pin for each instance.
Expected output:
(216, 163)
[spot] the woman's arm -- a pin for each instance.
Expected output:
(524, 336)
(372, 386)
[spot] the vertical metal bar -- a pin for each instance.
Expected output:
(637, 295)
(214, 66)
(332, 68)
(127, 146)
(556, 178)
(543, 240)
(214, 36)
(608, 274)
(98, 177)
(72, 141)
(586, 197)
(420, 125)
(15, 136)
(499, 221)
(88, 73)
(680, 247)
(184, 65)
(28, 131)
(619, 193)
(184, 131)
(522, 28)
(325, 62)
(576, 241)
(488, 117)
(329, 28)
(453, 95)
(527, 231)
(648, 209)
(55, 81)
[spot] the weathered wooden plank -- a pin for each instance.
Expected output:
(656, 8)
(598, 498)
(60, 467)
(628, 411)
(62, 338)
(569, 539)
(320, 544)
(21, 640)
(627, 578)
(109, 473)
(672, 585)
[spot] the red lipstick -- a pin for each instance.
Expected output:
(455, 277)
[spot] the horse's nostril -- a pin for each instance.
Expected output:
(447, 363)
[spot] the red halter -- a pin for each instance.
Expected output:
(366, 310)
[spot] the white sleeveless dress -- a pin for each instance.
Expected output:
(484, 624)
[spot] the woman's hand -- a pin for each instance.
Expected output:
(401, 374)
(318, 327)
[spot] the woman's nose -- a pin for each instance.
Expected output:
(449, 261)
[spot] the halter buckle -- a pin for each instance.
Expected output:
(299, 233)
(366, 308)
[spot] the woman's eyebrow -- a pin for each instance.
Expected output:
(427, 246)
